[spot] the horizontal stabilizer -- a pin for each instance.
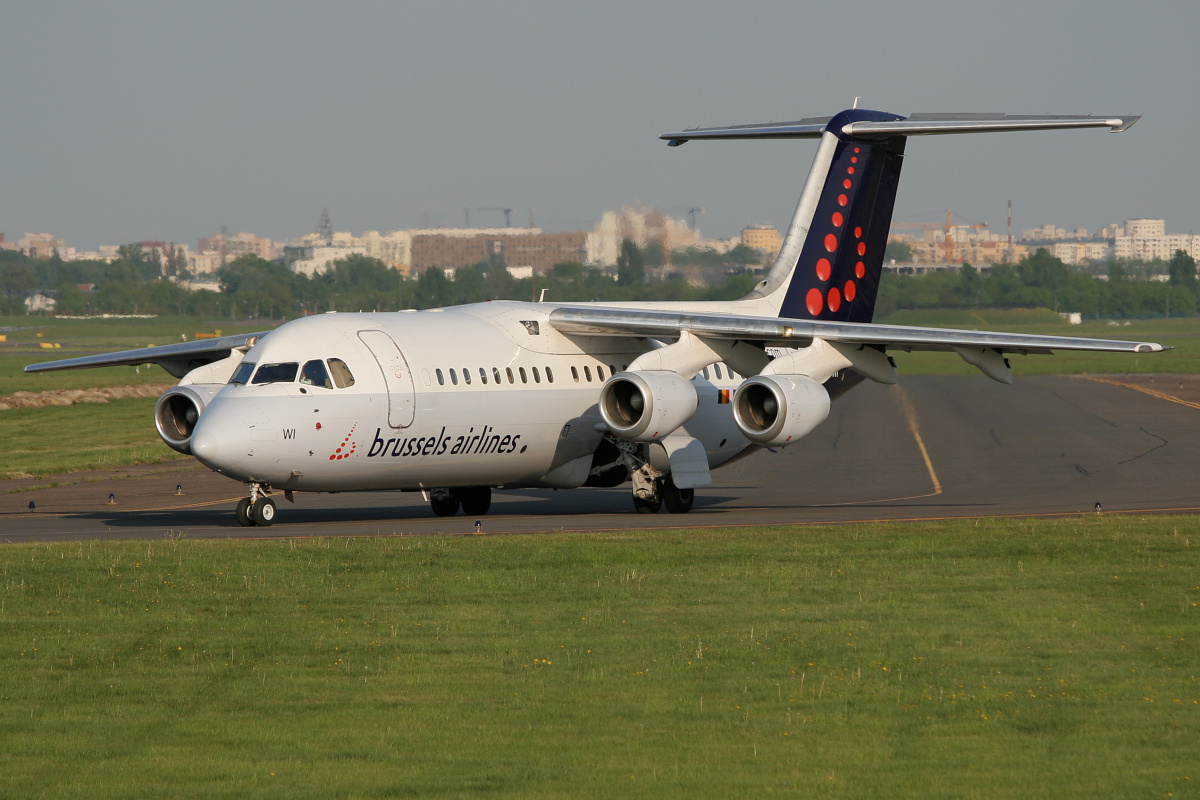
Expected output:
(915, 125)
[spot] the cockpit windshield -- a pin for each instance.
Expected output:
(315, 374)
(276, 373)
(242, 374)
(341, 373)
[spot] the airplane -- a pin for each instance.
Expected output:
(456, 402)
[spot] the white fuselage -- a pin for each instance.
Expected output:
(487, 394)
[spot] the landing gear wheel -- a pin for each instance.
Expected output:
(444, 502)
(647, 506)
(264, 512)
(476, 500)
(243, 513)
(678, 501)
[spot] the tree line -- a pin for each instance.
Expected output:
(253, 287)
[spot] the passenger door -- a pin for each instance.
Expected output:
(396, 375)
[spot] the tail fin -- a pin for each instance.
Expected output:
(832, 255)
(836, 274)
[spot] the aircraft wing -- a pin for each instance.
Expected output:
(782, 332)
(177, 359)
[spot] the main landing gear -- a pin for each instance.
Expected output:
(256, 510)
(653, 489)
(474, 500)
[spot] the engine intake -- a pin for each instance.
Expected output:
(178, 410)
(778, 410)
(646, 406)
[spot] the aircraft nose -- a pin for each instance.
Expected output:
(219, 440)
(204, 446)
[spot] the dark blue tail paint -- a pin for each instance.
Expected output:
(837, 275)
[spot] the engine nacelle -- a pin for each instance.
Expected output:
(178, 410)
(646, 406)
(778, 410)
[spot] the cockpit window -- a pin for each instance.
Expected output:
(242, 374)
(276, 373)
(342, 378)
(314, 374)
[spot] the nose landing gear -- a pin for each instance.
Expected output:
(256, 510)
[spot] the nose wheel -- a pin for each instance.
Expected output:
(257, 510)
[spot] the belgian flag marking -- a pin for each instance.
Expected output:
(723, 397)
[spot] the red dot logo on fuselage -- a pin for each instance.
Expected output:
(347, 447)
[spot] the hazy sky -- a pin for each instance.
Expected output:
(128, 121)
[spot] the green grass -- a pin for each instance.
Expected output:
(991, 659)
(36, 442)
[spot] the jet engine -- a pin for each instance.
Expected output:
(646, 406)
(178, 410)
(777, 410)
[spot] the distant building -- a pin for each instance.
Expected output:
(1080, 253)
(451, 248)
(764, 238)
(1147, 239)
(243, 244)
(40, 302)
(41, 245)
(640, 225)
(315, 260)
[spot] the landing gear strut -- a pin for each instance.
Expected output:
(257, 509)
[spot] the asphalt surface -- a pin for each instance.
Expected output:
(930, 448)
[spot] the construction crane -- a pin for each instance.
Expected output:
(507, 214)
(693, 212)
(949, 245)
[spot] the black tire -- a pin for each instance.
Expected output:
(677, 501)
(444, 502)
(476, 500)
(264, 512)
(244, 517)
(647, 506)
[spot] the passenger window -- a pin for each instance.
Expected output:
(575, 374)
(453, 376)
(537, 378)
(523, 378)
(599, 372)
(717, 369)
(496, 375)
(342, 378)
(483, 376)
(549, 376)
(466, 376)
(705, 372)
(612, 369)
(243, 372)
(314, 374)
(277, 373)
(510, 375)
(587, 373)
(441, 380)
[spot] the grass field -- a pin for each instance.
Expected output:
(990, 659)
(37, 442)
